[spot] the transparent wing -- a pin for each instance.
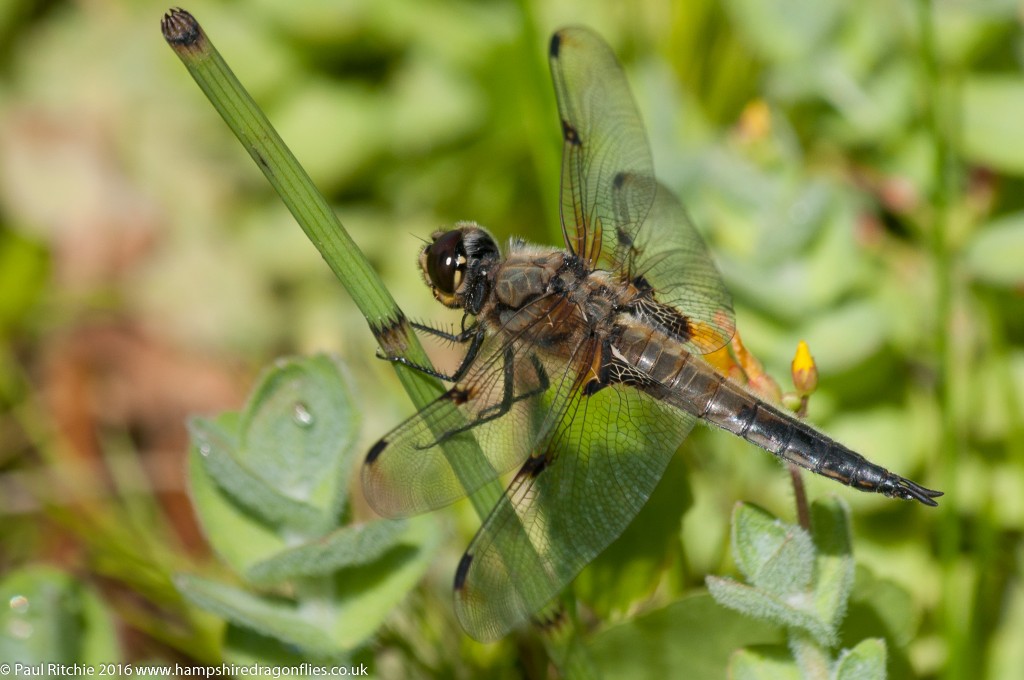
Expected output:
(497, 410)
(603, 143)
(669, 257)
(608, 184)
(578, 491)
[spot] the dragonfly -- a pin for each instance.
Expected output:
(583, 369)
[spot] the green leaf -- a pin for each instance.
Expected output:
(221, 459)
(780, 560)
(880, 605)
(833, 559)
(773, 555)
(365, 595)
(691, 638)
(240, 537)
(278, 619)
(348, 546)
(789, 612)
(992, 124)
(299, 429)
(866, 661)
(49, 617)
(630, 568)
(255, 478)
(763, 663)
(246, 647)
(882, 608)
(299, 415)
(343, 610)
(996, 254)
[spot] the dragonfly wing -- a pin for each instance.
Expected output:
(603, 142)
(576, 493)
(670, 257)
(608, 185)
(415, 467)
(508, 401)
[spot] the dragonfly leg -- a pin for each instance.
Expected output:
(508, 399)
(466, 335)
(500, 409)
(474, 335)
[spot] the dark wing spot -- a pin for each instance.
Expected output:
(623, 237)
(642, 284)
(593, 387)
(569, 134)
(457, 396)
(665, 316)
(375, 451)
(462, 570)
(533, 466)
(680, 325)
(556, 44)
(674, 322)
(619, 180)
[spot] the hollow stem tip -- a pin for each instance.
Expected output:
(181, 31)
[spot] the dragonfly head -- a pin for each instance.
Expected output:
(455, 265)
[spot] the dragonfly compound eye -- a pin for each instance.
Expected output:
(446, 262)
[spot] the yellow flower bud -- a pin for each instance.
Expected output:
(805, 373)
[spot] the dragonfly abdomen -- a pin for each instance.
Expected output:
(692, 385)
(732, 408)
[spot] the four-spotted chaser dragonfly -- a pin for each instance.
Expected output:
(583, 368)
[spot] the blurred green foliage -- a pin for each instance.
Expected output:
(270, 488)
(855, 167)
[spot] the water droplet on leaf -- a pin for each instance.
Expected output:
(302, 415)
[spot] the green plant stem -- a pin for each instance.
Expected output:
(813, 661)
(315, 216)
(937, 120)
(803, 513)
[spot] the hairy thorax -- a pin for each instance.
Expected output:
(554, 299)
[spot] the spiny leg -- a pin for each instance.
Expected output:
(474, 335)
(508, 397)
